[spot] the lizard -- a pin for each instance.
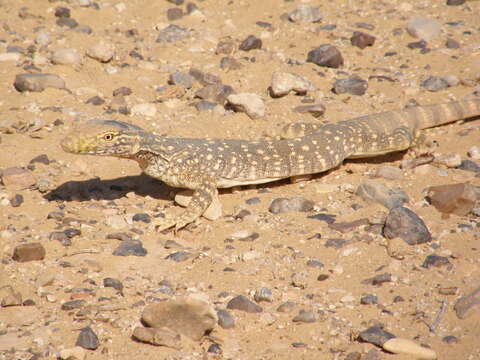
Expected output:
(204, 165)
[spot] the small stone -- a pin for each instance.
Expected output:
(369, 300)
(284, 82)
(305, 317)
(450, 339)
(116, 222)
(286, 307)
(205, 105)
(362, 40)
(66, 57)
(176, 2)
(145, 109)
(10, 297)
(455, 2)
(335, 243)
(452, 80)
(72, 305)
(315, 264)
(468, 305)
(405, 224)
(421, 44)
(158, 336)
(179, 256)
(378, 280)
(75, 353)
(452, 44)
(62, 12)
(174, 14)
(409, 347)
(372, 191)
(229, 63)
(61, 237)
(322, 277)
(305, 13)
(214, 349)
(458, 199)
(102, 51)
(225, 47)
(316, 110)
(375, 335)
(353, 356)
(37, 82)
(250, 43)
(216, 92)
(182, 79)
(204, 78)
(423, 28)
(67, 22)
(242, 303)
(130, 247)
(13, 57)
(436, 261)
(300, 279)
(190, 317)
(95, 100)
(40, 159)
(263, 294)
(87, 339)
(326, 55)
(389, 172)
(29, 252)
(171, 33)
(225, 319)
(113, 283)
(434, 83)
(42, 38)
(298, 203)
(474, 152)
(122, 91)
(249, 103)
(16, 200)
(469, 165)
(145, 218)
(353, 85)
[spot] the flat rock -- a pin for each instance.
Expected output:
(468, 305)
(249, 103)
(251, 42)
(75, 353)
(10, 297)
(102, 51)
(362, 40)
(373, 191)
(29, 252)
(17, 178)
(305, 13)
(326, 55)
(158, 336)
(315, 110)
(434, 83)
(405, 224)
(242, 303)
(130, 248)
(38, 82)
(190, 317)
(435, 261)
(423, 28)
(458, 199)
(375, 335)
(172, 33)
(66, 57)
(298, 203)
(409, 347)
(225, 319)
(353, 85)
(87, 339)
(284, 82)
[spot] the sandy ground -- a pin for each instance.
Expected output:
(285, 242)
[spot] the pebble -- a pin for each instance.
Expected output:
(102, 51)
(72, 305)
(95, 100)
(305, 317)
(305, 13)
(179, 256)
(298, 203)
(375, 335)
(13, 57)
(67, 22)
(326, 55)
(372, 191)
(452, 44)
(217, 92)
(468, 305)
(284, 82)
(362, 40)
(300, 279)
(251, 42)
(174, 14)
(316, 110)
(450, 339)
(204, 78)
(405, 224)
(40, 159)
(130, 248)
(171, 33)
(158, 336)
(113, 283)
(42, 38)
(75, 353)
(66, 57)
(116, 222)
(29, 252)
(144, 109)
(225, 319)
(87, 339)
(458, 199)
(450, 160)
(249, 103)
(353, 85)
(187, 316)
(369, 300)
(435, 261)
(474, 152)
(434, 83)
(423, 28)
(16, 200)
(62, 12)
(286, 307)
(10, 297)
(378, 280)
(409, 347)
(17, 178)
(145, 218)
(263, 294)
(214, 349)
(38, 82)
(183, 79)
(455, 2)
(229, 63)
(389, 172)
(314, 264)
(242, 303)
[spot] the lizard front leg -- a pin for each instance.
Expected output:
(202, 198)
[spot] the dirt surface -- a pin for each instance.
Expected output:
(100, 196)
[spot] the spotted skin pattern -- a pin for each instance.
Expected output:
(205, 165)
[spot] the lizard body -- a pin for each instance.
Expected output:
(204, 165)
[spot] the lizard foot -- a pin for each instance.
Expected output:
(177, 222)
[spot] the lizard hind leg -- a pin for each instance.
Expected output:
(422, 145)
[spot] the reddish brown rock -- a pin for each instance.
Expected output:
(17, 178)
(29, 252)
(458, 199)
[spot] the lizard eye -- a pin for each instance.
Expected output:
(108, 137)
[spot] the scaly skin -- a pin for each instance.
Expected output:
(205, 165)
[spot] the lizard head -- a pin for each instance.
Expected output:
(104, 137)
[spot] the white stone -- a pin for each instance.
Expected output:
(424, 28)
(251, 104)
(116, 222)
(474, 152)
(75, 353)
(409, 347)
(284, 82)
(14, 57)
(102, 51)
(66, 57)
(145, 109)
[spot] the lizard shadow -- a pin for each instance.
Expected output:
(144, 185)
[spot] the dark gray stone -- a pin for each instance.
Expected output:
(225, 319)
(242, 303)
(435, 261)
(130, 247)
(326, 55)
(405, 224)
(251, 43)
(87, 339)
(434, 83)
(375, 335)
(353, 85)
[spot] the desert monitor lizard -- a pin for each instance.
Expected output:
(204, 165)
